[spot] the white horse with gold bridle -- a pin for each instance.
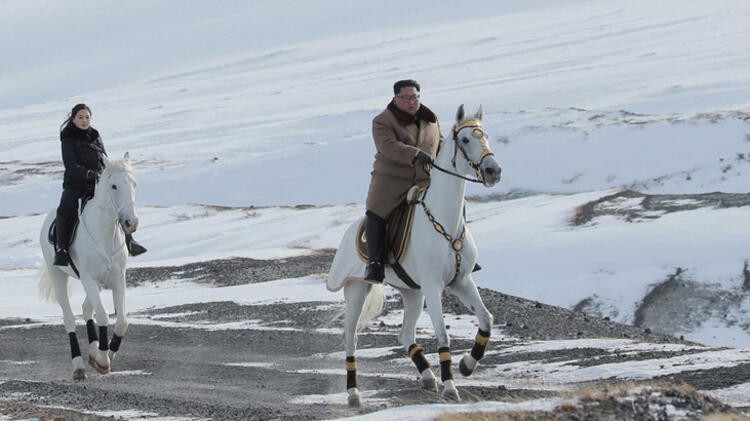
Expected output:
(440, 254)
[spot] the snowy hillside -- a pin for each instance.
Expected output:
(256, 108)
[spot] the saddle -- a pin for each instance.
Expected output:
(52, 233)
(398, 230)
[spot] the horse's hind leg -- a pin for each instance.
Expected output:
(466, 291)
(355, 294)
(99, 360)
(60, 285)
(413, 302)
(88, 316)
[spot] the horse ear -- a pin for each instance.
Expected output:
(460, 114)
(126, 156)
(479, 113)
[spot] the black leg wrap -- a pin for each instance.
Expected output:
(114, 345)
(351, 372)
(480, 344)
(445, 364)
(75, 350)
(103, 344)
(416, 353)
(91, 331)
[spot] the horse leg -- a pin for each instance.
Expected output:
(121, 324)
(355, 294)
(413, 302)
(466, 291)
(435, 310)
(60, 285)
(88, 316)
(99, 360)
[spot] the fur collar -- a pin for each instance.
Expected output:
(405, 119)
(72, 132)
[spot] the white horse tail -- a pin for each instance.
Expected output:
(46, 289)
(373, 306)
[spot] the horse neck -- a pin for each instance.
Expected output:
(445, 197)
(100, 218)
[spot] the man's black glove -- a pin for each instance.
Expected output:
(423, 158)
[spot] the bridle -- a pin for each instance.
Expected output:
(113, 218)
(457, 243)
(117, 207)
(477, 133)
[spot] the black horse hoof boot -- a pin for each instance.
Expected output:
(62, 258)
(374, 273)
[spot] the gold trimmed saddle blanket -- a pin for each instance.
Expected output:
(398, 231)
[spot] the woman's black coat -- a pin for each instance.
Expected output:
(82, 150)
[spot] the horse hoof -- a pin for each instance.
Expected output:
(355, 400)
(430, 384)
(101, 368)
(450, 392)
(467, 365)
(79, 374)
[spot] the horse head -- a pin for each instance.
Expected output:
(117, 182)
(470, 138)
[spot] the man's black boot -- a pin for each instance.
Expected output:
(134, 247)
(375, 234)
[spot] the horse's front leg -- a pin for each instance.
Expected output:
(435, 310)
(121, 324)
(355, 294)
(413, 303)
(60, 285)
(466, 291)
(91, 331)
(99, 360)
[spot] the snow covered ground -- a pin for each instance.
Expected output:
(267, 105)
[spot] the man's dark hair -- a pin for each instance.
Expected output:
(405, 83)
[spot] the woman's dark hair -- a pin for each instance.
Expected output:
(73, 112)
(405, 83)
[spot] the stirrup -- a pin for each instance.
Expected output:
(374, 273)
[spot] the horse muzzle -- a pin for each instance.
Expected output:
(129, 225)
(491, 172)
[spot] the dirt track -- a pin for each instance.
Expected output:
(187, 372)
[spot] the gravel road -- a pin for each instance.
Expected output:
(187, 372)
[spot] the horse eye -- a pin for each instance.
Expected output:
(114, 187)
(465, 140)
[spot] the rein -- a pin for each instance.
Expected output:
(441, 169)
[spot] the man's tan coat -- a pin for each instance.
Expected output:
(398, 136)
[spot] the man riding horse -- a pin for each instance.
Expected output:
(407, 136)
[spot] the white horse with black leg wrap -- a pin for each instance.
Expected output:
(441, 254)
(99, 257)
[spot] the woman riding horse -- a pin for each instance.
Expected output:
(83, 156)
